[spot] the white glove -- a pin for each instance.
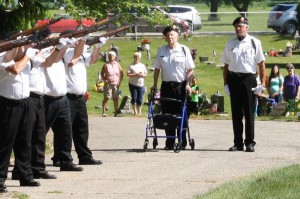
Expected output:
(72, 42)
(6, 64)
(31, 52)
(47, 50)
(85, 37)
(63, 43)
(102, 40)
(258, 89)
(226, 89)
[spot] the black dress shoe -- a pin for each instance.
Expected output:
(90, 161)
(56, 163)
(15, 176)
(70, 167)
(45, 175)
(250, 148)
(29, 183)
(3, 188)
(236, 148)
(168, 148)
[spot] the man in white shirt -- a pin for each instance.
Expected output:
(15, 118)
(76, 60)
(57, 113)
(176, 64)
(241, 56)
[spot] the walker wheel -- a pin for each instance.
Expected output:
(192, 144)
(155, 143)
(176, 148)
(146, 145)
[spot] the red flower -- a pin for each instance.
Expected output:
(145, 41)
(87, 96)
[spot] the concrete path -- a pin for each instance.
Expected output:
(130, 173)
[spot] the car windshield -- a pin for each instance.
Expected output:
(282, 7)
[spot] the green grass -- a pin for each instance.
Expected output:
(209, 76)
(282, 183)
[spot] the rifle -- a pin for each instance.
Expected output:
(95, 39)
(101, 25)
(34, 29)
(9, 45)
(43, 43)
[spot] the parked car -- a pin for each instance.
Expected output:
(143, 25)
(188, 13)
(283, 18)
(67, 23)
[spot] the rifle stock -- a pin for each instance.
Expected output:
(32, 30)
(108, 34)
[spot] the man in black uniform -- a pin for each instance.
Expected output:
(241, 56)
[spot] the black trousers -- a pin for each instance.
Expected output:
(242, 102)
(39, 133)
(176, 91)
(15, 133)
(80, 126)
(58, 118)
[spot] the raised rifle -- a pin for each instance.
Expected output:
(9, 45)
(34, 29)
(95, 39)
(43, 43)
(101, 25)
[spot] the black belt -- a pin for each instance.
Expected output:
(174, 83)
(12, 101)
(34, 95)
(54, 97)
(71, 95)
(240, 74)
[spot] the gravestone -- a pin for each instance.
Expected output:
(125, 106)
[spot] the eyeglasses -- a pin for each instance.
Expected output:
(290, 68)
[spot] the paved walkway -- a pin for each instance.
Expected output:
(130, 173)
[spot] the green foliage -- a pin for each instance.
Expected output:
(282, 183)
(21, 16)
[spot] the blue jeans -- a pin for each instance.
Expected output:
(137, 94)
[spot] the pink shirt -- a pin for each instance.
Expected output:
(112, 73)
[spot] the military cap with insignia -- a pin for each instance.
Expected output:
(169, 29)
(240, 21)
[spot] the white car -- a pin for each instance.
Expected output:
(188, 13)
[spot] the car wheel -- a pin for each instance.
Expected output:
(191, 25)
(291, 27)
(180, 30)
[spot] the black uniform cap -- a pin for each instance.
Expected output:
(169, 29)
(240, 21)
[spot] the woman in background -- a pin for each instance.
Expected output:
(136, 73)
(275, 84)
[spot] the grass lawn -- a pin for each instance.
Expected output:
(282, 183)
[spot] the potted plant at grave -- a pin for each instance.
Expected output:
(146, 44)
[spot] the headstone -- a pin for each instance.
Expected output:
(125, 106)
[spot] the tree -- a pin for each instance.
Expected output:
(241, 6)
(214, 5)
(23, 14)
(20, 16)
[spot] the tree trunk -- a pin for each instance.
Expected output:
(241, 6)
(214, 5)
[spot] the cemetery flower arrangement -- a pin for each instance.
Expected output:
(145, 41)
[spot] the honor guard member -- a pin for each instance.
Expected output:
(57, 110)
(76, 60)
(15, 118)
(241, 56)
(176, 64)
